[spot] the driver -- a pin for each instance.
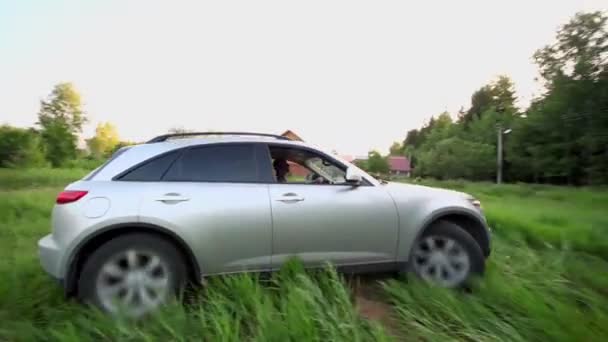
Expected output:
(281, 169)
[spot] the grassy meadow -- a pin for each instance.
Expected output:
(547, 280)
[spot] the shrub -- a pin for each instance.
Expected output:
(20, 147)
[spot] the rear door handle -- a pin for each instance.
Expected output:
(172, 197)
(290, 197)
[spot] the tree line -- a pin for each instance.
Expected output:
(561, 138)
(54, 142)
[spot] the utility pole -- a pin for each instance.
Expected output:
(499, 156)
(499, 153)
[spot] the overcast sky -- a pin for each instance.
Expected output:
(347, 75)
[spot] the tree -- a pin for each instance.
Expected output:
(105, 140)
(20, 147)
(457, 158)
(396, 149)
(377, 163)
(563, 136)
(503, 94)
(579, 50)
(499, 95)
(122, 144)
(480, 101)
(567, 128)
(412, 139)
(61, 118)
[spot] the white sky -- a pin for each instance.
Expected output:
(347, 75)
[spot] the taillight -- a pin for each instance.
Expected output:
(69, 196)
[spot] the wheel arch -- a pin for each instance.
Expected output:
(84, 249)
(472, 224)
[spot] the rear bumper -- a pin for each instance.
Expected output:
(50, 257)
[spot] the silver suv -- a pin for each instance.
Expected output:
(159, 215)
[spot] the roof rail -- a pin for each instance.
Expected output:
(166, 137)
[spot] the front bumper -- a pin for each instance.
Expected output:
(50, 257)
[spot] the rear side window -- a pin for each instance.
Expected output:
(216, 163)
(151, 170)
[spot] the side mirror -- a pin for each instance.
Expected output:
(352, 177)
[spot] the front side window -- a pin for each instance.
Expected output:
(215, 163)
(297, 166)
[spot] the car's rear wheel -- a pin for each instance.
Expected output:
(132, 275)
(446, 255)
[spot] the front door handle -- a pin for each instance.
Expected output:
(171, 198)
(290, 197)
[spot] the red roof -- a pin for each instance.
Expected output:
(348, 158)
(399, 164)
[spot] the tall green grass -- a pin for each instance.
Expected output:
(11, 179)
(526, 295)
(546, 280)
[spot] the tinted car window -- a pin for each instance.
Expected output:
(219, 163)
(151, 170)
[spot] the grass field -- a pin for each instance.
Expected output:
(547, 280)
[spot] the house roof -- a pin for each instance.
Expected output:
(399, 164)
(348, 158)
(292, 135)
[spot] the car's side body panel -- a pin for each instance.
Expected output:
(227, 225)
(106, 204)
(340, 224)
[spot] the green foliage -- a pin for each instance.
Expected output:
(396, 149)
(104, 143)
(452, 158)
(561, 138)
(61, 118)
(86, 163)
(39, 177)
(579, 50)
(362, 164)
(20, 147)
(376, 163)
(498, 96)
(564, 138)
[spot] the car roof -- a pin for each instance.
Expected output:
(133, 155)
(183, 142)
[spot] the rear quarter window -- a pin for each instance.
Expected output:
(151, 170)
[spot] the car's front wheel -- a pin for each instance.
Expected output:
(446, 255)
(132, 275)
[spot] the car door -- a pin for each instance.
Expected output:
(339, 223)
(213, 197)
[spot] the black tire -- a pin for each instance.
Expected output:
(165, 250)
(453, 231)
